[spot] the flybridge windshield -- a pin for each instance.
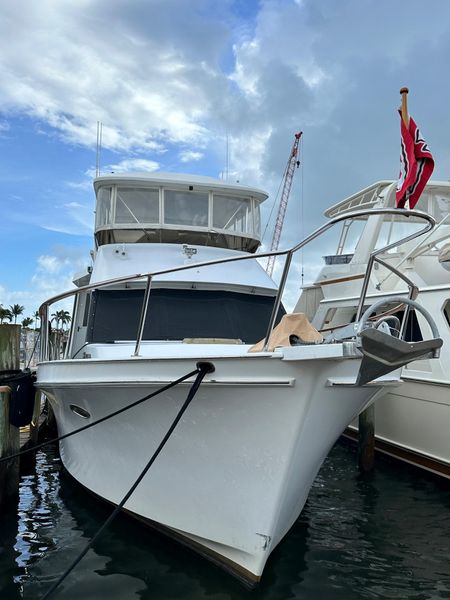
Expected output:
(136, 206)
(119, 206)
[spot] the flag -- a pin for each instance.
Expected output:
(416, 165)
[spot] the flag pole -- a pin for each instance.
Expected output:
(404, 108)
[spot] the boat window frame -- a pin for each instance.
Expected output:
(250, 217)
(165, 189)
(144, 188)
(253, 211)
(98, 207)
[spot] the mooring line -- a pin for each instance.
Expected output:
(202, 369)
(105, 418)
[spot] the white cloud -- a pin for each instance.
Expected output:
(190, 156)
(147, 90)
(132, 165)
(73, 205)
(171, 79)
(49, 264)
(53, 274)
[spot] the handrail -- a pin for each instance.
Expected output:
(150, 275)
(419, 245)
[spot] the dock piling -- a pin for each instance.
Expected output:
(9, 444)
(9, 435)
(366, 439)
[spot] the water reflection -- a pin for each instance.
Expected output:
(383, 537)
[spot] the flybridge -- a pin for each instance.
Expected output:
(177, 208)
(435, 199)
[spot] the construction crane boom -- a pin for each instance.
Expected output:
(292, 163)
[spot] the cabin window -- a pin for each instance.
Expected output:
(393, 230)
(134, 205)
(175, 314)
(441, 206)
(186, 208)
(104, 207)
(232, 213)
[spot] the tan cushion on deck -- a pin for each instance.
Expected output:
(293, 324)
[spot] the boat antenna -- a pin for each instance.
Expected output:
(302, 224)
(227, 159)
(99, 147)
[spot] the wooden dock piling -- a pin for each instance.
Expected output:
(9, 444)
(9, 435)
(9, 347)
(366, 439)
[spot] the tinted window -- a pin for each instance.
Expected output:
(179, 314)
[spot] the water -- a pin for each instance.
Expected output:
(384, 537)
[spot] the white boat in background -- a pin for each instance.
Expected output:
(175, 282)
(411, 422)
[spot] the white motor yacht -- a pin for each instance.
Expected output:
(412, 421)
(175, 283)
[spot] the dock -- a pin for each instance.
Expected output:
(13, 438)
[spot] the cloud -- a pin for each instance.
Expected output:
(53, 274)
(190, 156)
(49, 264)
(132, 165)
(4, 126)
(147, 90)
(171, 80)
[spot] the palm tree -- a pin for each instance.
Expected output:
(61, 316)
(5, 313)
(16, 310)
(56, 316)
(64, 317)
(27, 322)
(36, 318)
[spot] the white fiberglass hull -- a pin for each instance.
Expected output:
(411, 424)
(237, 470)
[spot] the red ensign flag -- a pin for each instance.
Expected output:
(416, 165)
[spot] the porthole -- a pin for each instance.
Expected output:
(80, 412)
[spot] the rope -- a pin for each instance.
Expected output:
(113, 414)
(202, 369)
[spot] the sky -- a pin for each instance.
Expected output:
(173, 80)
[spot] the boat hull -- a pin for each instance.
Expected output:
(400, 416)
(236, 472)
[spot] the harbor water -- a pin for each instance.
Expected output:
(387, 536)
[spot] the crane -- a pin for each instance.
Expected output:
(287, 184)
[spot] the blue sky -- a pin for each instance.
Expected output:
(170, 79)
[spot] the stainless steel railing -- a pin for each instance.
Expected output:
(149, 276)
